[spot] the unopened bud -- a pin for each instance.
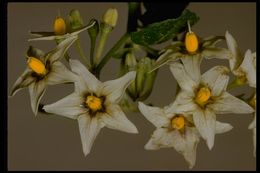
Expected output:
(110, 17)
(75, 20)
(130, 65)
(130, 61)
(149, 80)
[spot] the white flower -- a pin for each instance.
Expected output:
(44, 69)
(175, 130)
(245, 71)
(206, 98)
(243, 68)
(94, 104)
(206, 48)
(61, 26)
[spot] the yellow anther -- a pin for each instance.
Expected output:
(203, 96)
(59, 26)
(191, 42)
(178, 122)
(94, 103)
(240, 80)
(36, 65)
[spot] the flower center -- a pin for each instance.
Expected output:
(59, 26)
(191, 42)
(94, 103)
(178, 122)
(36, 65)
(203, 96)
(241, 80)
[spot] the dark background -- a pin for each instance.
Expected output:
(51, 142)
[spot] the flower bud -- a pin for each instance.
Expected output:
(75, 20)
(110, 17)
(130, 65)
(149, 80)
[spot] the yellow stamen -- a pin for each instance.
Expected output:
(178, 122)
(241, 80)
(191, 42)
(94, 103)
(59, 26)
(36, 65)
(203, 96)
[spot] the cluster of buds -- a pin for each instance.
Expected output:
(142, 87)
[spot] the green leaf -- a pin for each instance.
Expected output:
(162, 31)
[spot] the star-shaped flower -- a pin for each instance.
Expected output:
(243, 68)
(245, 71)
(205, 98)
(191, 51)
(42, 70)
(61, 31)
(94, 104)
(175, 130)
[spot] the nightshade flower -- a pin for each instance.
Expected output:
(175, 130)
(42, 70)
(243, 68)
(94, 104)
(60, 31)
(191, 51)
(206, 98)
(245, 71)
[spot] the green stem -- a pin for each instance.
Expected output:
(81, 53)
(92, 49)
(101, 44)
(109, 54)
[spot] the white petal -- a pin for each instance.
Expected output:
(216, 52)
(89, 129)
(36, 90)
(205, 121)
(168, 56)
(69, 106)
(23, 81)
(187, 144)
(182, 77)
(217, 79)
(54, 37)
(88, 78)
(60, 74)
(248, 67)
(226, 103)
(184, 102)
(161, 138)
(154, 114)
(222, 127)
(116, 119)
(61, 49)
(233, 47)
(192, 66)
(114, 89)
